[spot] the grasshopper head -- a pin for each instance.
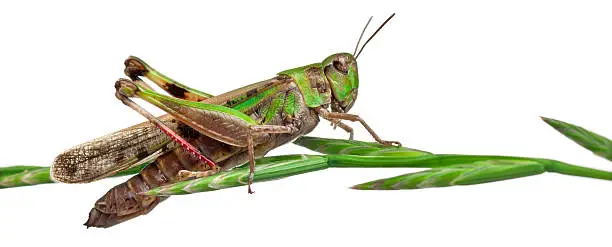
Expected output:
(341, 73)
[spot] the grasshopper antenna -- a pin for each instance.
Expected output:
(361, 36)
(374, 34)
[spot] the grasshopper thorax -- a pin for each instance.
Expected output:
(341, 73)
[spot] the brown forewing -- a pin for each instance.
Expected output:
(109, 154)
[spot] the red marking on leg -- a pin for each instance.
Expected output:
(190, 148)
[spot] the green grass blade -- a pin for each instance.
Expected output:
(6, 171)
(470, 169)
(267, 169)
(30, 175)
(448, 169)
(352, 147)
(574, 170)
(356, 154)
(597, 144)
(460, 174)
(17, 176)
(429, 161)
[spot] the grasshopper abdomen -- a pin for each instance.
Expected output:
(124, 201)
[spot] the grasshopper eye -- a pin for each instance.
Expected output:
(341, 66)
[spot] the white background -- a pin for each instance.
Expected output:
(467, 77)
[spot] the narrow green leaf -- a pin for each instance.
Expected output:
(429, 161)
(267, 169)
(574, 170)
(6, 171)
(29, 176)
(17, 176)
(352, 147)
(477, 172)
(599, 145)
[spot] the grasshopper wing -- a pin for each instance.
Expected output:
(109, 154)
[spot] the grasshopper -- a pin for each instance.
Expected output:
(204, 134)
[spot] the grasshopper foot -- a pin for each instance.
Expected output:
(250, 182)
(391, 143)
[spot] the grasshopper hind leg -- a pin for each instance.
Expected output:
(136, 67)
(126, 89)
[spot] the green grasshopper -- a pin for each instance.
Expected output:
(215, 133)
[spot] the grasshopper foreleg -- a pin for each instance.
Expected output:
(126, 89)
(338, 123)
(334, 117)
